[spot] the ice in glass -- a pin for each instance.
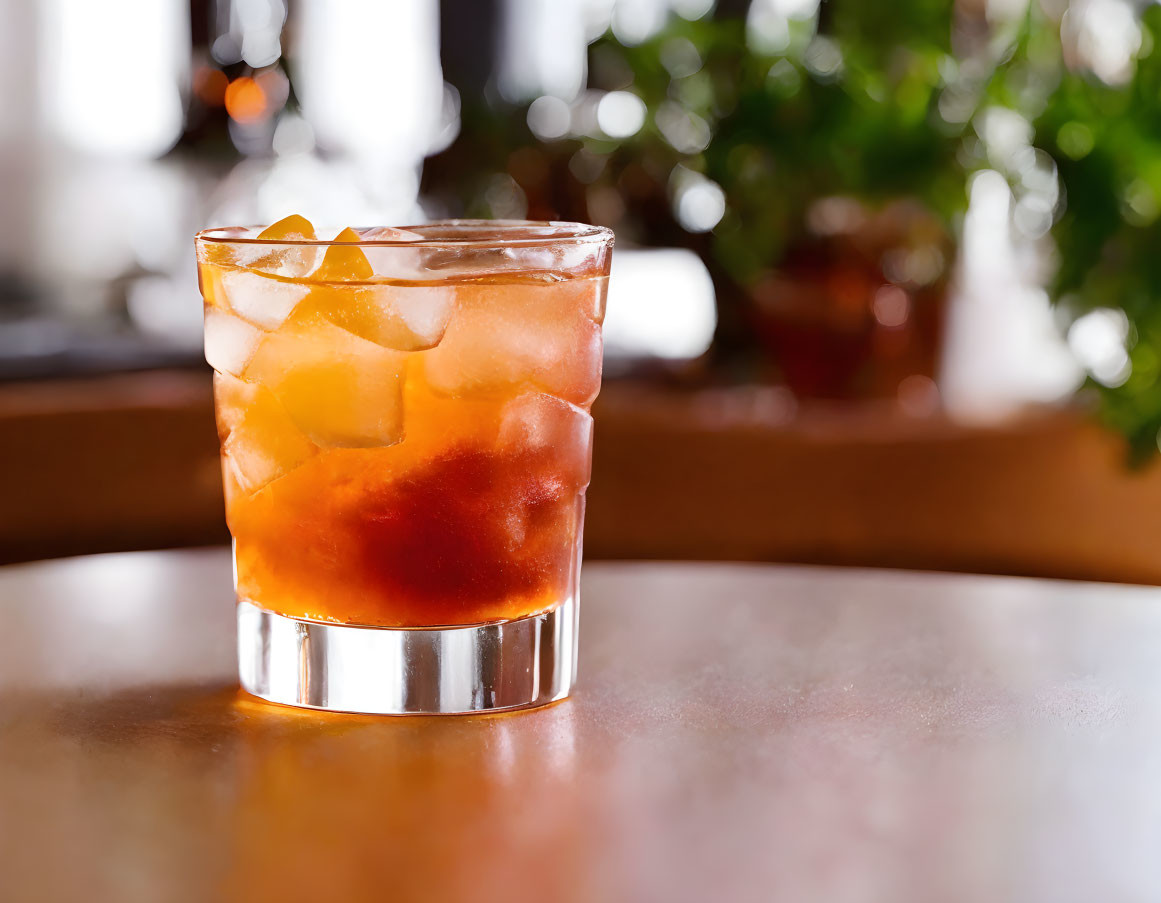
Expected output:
(405, 447)
(404, 415)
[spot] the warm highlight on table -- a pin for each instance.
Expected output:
(740, 733)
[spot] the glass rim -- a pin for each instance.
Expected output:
(566, 233)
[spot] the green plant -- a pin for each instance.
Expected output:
(770, 118)
(873, 101)
(1105, 143)
(837, 111)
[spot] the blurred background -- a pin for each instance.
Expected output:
(886, 288)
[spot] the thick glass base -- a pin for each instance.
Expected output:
(398, 671)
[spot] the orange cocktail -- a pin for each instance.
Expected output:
(404, 416)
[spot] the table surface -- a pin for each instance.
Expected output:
(741, 732)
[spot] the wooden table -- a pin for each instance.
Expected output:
(741, 733)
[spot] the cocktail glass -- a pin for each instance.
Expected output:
(406, 442)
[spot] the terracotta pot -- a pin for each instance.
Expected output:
(855, 310)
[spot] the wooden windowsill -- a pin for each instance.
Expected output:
(130, 461)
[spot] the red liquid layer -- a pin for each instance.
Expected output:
(472, 536)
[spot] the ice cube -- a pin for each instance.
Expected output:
(341, 391)
(261, 300)
(230, 342)
(386, 233)
(262, 443)
(210, 283)
(344, 262)
(419, 314)
(399, 263)
(542, 424)
(507, 335)
(402, 317)
(395, 261)
(291, 261)
(597, 294)
(231, 396)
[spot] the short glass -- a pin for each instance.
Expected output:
(406, 443)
